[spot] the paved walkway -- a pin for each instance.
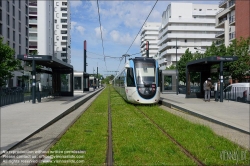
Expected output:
(230, 113)
(20, 120)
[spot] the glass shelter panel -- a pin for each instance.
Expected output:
(78, 83)
(65, 82)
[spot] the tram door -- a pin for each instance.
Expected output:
(160, 79)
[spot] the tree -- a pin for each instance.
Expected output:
(240, 69)
(171, 67)
(8, 63)
(182, 65)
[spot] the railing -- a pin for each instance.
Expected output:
(32, 4)
(231, 35)
(219, 42)
(30, 12)
(32, 21)
(219, 33)
(231, 19)
(231, 3)
(222, 2)
(16, 95)
(222, 20)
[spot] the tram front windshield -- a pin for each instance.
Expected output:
(145, 73)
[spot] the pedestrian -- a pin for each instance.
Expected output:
(218, 89)
(207, 89)
(204, 87)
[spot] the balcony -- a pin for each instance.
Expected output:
(221, 22)
(64, 21)
(63, 9)
(231, 35)
(220, 34)
(219, 42)
(223, 4)
(34, 38)
(32, 21)
(33, 12)
(32, 4)
(232, 20)
(32, 29)
(232, 4)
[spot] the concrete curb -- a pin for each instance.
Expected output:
(173, 106)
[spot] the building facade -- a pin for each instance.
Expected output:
(150, 33)
(225, 19)
(62, 30)
(14, 28)
(192, 27)
(242, 17)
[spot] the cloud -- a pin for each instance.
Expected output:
(80, 29)
(114, 35)
(76, 28)
(98, 32)
(75, 3)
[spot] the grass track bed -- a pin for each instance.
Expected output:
(88, 134)
(200, 140)
(137, 142)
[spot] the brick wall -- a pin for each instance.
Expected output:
(242, 18)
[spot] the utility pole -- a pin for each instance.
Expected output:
(84, 65)
(177, 88)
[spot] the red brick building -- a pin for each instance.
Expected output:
(242, 18)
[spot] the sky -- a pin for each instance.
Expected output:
(120, 21)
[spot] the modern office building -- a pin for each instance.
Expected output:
(191, 27)
(62, 30)
(234, 19)
(150, 32)
(14, 28)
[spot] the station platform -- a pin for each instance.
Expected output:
(21, 120)
(228, 113)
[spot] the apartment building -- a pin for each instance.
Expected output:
(41, 27)
(150, 32)
(62, 30)
(14, 28)
(234, 19)
(225, 18)
(191, 27)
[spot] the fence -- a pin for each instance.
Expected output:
(17, 95)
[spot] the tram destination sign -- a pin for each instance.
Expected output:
(228, 58)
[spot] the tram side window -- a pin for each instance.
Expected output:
(130, 78)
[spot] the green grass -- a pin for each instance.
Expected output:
(137, 142)
(210, 148)
(87, 135)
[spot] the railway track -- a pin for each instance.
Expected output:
(109, 160)
(183, 149)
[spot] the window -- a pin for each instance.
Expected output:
(64, 14)
(0, 3)
(27, 21)
(64, 37)
(19, 27)
(200, 9)
(55, 20)
(27, 42)
(19, 4)
(27, 32)
(14, 35)
(13, 23)
(8, 19)
(0, 14)
(185, 40)
(19, 38)
(19, 15)
(26, 10)
(8, 32)
(8, 6)
(20, 50)
(13, 10)
(64, 26)
(14, 46)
